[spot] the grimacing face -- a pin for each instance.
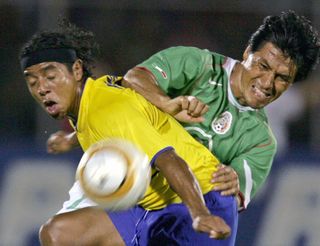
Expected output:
(266, 74)
(54, 87)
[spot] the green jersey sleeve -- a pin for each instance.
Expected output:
(177, 69)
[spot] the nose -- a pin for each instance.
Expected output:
(267, 81)
(43, 88)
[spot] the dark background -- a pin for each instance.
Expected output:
(129, 32)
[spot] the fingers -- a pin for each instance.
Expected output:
(227, 191)
(56, 143)
(224, 174)
(183, 116)
(227, 181)
(194, 106)
(186, 109)
(184, 102)
(52, 144)
(213, 225)
(220, 234)
(228, 188)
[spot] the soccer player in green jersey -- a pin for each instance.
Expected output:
(221, 100)
(188, 82)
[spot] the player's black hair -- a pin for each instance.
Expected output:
(294, 35)
(67, 35)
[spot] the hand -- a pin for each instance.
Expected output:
(213, 225)
(186, 109)
(60, 142)
(228, 180)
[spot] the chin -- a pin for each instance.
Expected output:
(57, 116)
(256, 105)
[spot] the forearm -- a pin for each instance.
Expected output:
(183, 182)
(145, 84)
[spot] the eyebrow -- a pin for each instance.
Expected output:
(283, 75)
(44, 69)
(265, 61)
(27, 74)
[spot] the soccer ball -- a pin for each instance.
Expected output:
(114, 173)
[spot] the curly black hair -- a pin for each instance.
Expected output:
(294, 35)
(67, 35)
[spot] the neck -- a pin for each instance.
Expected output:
(73, 113)
(235, 83)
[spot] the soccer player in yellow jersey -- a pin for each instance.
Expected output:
(129, 116)
(180, 206)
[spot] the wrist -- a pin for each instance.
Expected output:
(73, 140)
(199, 212)
(164, 103)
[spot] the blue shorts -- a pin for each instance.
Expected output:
(173, 225)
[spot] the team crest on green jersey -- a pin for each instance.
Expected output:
(222, 124)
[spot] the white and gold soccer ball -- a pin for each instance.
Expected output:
(114, 173)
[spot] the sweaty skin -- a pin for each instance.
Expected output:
(56, 89)
(262, 76)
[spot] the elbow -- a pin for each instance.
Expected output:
(138, 76)
(131, 78)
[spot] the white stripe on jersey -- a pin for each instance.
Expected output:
(212, 82)
(248, 175)
(228, 66)
(203, 133)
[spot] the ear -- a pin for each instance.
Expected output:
(246, 53)
(77, 69)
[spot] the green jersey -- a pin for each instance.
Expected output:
(239, 136)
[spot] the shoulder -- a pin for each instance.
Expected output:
(262, 116)
(185, 51)
(102, 90)
(195, 51)
(109, 80)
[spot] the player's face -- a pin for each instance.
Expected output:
(266, 74)
(55, 88)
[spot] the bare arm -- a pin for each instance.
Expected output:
(183, 108)
(182, 181)
(144, 83)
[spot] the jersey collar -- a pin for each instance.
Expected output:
(228, 66)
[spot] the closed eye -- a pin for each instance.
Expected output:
(263, 66)
(31, 80)
(284, 78)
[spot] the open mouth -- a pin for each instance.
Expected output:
(51, 107)
(261, 94)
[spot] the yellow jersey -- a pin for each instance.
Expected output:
(110, 111)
